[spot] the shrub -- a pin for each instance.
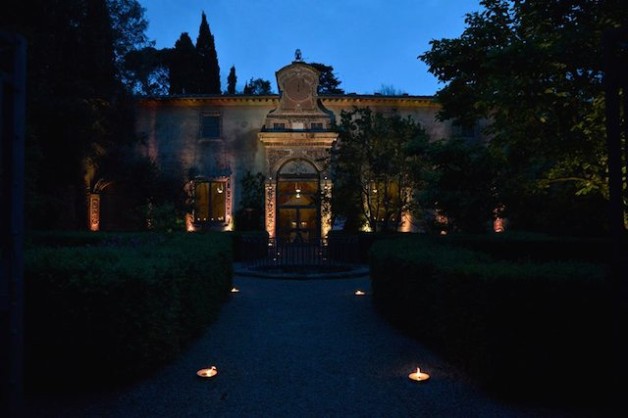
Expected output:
(108, 313)
(501, 321)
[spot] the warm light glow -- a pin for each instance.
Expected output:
(235, 290)
(189, 222)
(498, 225)
(269, 204)
(94, 212)
(419, 376)
(359, 293)
(211, 372)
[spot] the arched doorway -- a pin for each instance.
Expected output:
(298, 202)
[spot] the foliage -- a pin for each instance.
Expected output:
(232, 79)
(128, 304)
(328, 82)
(250, 214)
(376, 162)
(79, 108)
(257, 87)
(534, 69)
(209, 70)
(193, 69)
(147, 72)
(129, 34)
(461, 184)
(389, 90)
(183, 66)
(495, 319)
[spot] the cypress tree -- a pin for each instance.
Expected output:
(231, 81)
(182, 65)
(209, 77)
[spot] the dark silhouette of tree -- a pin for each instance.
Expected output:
(182, 60)
(78, 108)
(534, 70)
(231, 81)
(389, 90)
(208, 80)
(328, 82)
(146, 71)
(128, 27)
(257, 87)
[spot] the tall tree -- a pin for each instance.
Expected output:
(182, 63)
(209, 71)
(534, 69)
(128, 26)
(376, 164)
(231, 81)
(146, 71)
(78, 109)
(328, 82)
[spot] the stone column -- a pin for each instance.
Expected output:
(269, 207)
(94, 211)
(326, 222)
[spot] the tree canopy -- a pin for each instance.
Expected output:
(376, 164)
(257, 87)
(79, 107)
(534, 70)
(328, 82)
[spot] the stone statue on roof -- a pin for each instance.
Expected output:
(297, 55)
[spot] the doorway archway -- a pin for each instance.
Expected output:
(298, 202)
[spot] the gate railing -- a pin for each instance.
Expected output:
(257, 252)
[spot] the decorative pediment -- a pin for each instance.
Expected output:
(298, 84)
(299, 108)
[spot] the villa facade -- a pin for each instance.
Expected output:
(212, 142)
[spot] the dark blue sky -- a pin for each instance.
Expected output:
(370, 43)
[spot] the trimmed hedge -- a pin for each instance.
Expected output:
(108, 313)
(526, 330)
(519, 246)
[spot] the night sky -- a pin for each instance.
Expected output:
(370, 43)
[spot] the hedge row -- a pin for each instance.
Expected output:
(114, 311)
(519, 246)
(528, 330)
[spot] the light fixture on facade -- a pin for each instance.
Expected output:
(419, 376)
(210, 372)
(220, 188)
(298, 190)
(360, 293)
(235, 290)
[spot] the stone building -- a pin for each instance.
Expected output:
(211, 142)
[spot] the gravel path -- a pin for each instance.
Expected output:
(299, 348)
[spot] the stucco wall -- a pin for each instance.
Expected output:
(171, 127)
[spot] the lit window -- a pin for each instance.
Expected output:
(210, 126)
(209, 201)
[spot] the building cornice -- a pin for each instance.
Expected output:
(273, 100)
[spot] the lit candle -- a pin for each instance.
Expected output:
(211, 372)
(419, 376)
